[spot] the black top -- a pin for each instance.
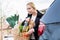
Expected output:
(37, 20)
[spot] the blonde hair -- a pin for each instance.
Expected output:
(31, 4)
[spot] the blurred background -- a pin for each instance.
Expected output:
(11, 7)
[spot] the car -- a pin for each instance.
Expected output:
(51, 20)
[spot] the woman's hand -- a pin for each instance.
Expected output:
(27, 19)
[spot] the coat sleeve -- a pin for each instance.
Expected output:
(29, 15)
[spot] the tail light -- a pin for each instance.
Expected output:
(41, 28)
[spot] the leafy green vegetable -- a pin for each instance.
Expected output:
(12, 20)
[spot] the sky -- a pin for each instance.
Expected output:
(11, 7)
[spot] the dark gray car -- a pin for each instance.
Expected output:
(51, 19)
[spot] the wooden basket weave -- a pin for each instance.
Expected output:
(18, 36)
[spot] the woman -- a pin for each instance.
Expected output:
(35, 16)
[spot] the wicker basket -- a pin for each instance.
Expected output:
(18, 36)
(21, 37)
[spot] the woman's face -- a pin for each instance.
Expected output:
(30, 9)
